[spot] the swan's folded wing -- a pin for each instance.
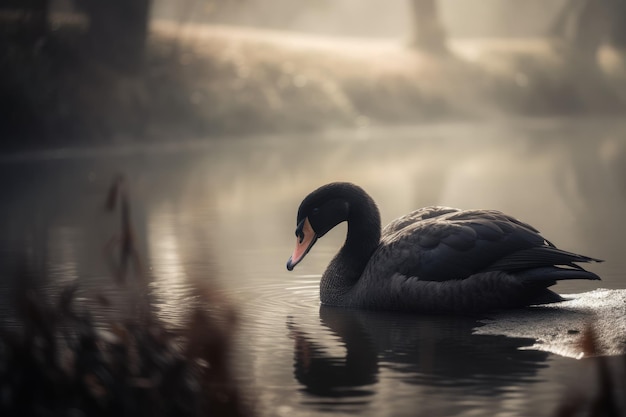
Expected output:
(459, 244)
(418, 215)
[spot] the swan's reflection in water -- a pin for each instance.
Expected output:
(328, 376)
(429, 351)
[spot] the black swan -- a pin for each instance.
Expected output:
(435, 259)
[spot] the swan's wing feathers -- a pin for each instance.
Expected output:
(417, 216)
(548, 275)
(460, 238)
(457, 244)
(539, 256)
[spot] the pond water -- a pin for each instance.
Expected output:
(222, 214)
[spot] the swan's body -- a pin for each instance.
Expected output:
(435, 259)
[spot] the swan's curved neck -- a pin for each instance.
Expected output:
(363, 238)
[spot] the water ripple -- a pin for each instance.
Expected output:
(301, 293)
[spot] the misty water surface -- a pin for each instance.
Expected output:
(223, 214)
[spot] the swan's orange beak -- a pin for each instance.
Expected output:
(306, 238)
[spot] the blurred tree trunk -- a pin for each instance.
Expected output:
(589, 29)
(586, 25)
(118, 30)
(39, 17)
(428, 32)
(617, 31)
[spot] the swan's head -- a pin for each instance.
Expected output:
(319, 212)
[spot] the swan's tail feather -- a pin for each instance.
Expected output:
(553, 274)
(541, 256)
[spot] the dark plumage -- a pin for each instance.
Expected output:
(435, 259)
